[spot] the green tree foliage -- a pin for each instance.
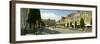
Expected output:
(82, 22)
(71, 24)
(42, 23)
(75, 24)
(91, 22)
(67, 24)
(50, 22)
(33, 17)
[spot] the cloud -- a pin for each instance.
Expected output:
(50, 16)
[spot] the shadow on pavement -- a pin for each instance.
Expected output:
(47, 31)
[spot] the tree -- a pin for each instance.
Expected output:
(91, 22)
(75, 24)
(71, 24)
(33, 18)
(49, 22)
(67, 24)
(42, 23)
(82, 22)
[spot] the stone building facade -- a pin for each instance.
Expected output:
(75, 17)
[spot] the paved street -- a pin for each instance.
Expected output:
(55, 30)
(52, 30)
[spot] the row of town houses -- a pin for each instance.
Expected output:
(75, 17)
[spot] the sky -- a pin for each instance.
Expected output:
(54, 14)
